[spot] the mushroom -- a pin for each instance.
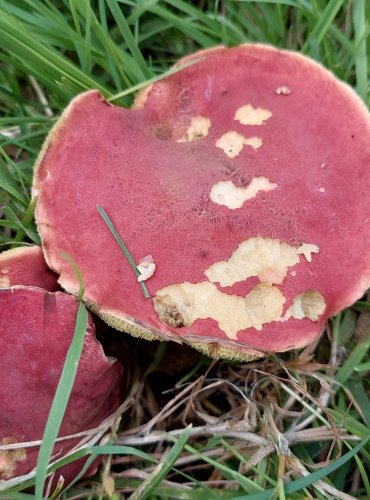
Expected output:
(26, 266)
(36, 329)
(244, 175)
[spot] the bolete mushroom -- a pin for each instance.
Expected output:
(244, 175)
(36, 329)
(26, 266)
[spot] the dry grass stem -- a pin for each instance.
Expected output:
(41, 96)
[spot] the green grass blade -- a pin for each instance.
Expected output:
(359, 25)
(350, 423)
(246, 483)
(311, 478)
(17, 496)
(325, 471)
(353, 360)
(188, 9)
(363, 472)
(343, 326)
(186, 25)
(124, 249)
(76, 20)
(128, 450)
(121, 450)
(9, 224)
(14, 171)
(323, 24)
(60, 401)
(18, 225)
(11, 190)
(34, 119)
(20, 485)
(299, 4)
(7, 180)
(16, 38)
(117, 62)
(77, 272)
(163, 468)
(81, 474)
(361, 396)
(155, 79)
(129, 38)
(109, 46)
(26, 221)
(86, 67)
(363, 367)
(362, 306)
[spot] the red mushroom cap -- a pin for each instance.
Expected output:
(36, 329)
(245, 176)
(26, 266)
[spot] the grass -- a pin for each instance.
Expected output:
(292, 426)
(124, 249)
(60, 402)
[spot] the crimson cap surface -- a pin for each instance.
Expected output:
(245, 176)
(36, 329)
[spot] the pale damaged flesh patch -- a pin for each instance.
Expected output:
(253, 142)
(283, 90)
(232, 143)
(309, 304)
(146, 268)
(142, 97)
(4, 280)
(267, 258)
(227, 194)
(181, 304)
(307, 249)
(198, 128)
(9, 458)
(248, 115)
